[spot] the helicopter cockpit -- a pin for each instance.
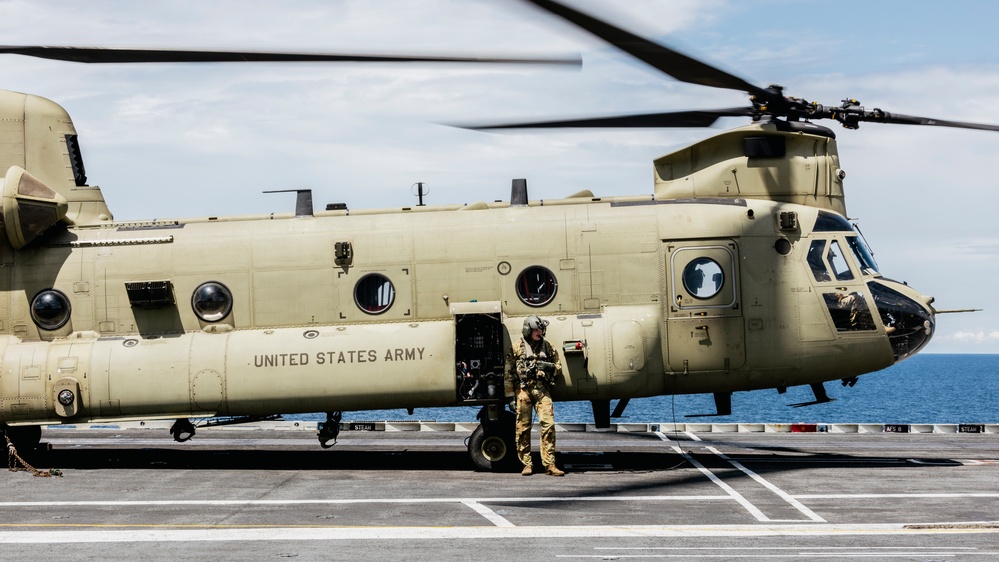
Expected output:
(907, 318)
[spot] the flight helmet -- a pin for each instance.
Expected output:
(534, 323)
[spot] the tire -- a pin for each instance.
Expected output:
(492, 448)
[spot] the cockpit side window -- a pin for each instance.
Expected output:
(849, 311)
(815, 263)
(838, 262)
(863, 255)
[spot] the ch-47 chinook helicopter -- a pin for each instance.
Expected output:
(740, 272)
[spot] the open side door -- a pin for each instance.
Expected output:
(704, 323)
(478, 352)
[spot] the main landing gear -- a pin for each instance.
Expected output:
(329, 429)
(492, 445)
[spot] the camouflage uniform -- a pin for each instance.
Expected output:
(531, 386)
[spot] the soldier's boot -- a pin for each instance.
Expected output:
(554, 471)
(528, 470)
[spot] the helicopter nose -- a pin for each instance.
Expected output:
(906, 314)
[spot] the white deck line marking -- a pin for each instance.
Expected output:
(901, 496)
(752, 509)
(489, 514)
(166, 534)
(763, 482)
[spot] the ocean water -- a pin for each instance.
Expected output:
(926, 388)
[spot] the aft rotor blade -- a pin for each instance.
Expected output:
(102, 55)
(664, 59)
(697, 118)
(878, 116)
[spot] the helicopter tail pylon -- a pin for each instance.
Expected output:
(48, 151)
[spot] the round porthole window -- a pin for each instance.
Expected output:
(50, 309)
(703, 278)
(374, 293)
(536, 286)
(211, 301)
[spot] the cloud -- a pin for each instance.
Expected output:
(980, 247)
(979, 337)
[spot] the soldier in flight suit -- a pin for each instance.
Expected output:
(530, 374)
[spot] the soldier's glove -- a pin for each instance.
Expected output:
(546, 370)
(512, 404)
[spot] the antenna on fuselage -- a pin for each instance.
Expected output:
(419, 192)
(303, 203)
(518, 193)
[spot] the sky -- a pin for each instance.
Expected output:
(174, 140)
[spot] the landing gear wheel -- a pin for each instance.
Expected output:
(492, 448)
(182, 430)
(329, 429)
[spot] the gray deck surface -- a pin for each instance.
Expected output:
(268, 494)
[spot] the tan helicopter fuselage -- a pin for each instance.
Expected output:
(709, 288)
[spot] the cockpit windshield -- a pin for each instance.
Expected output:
(863, 255)
(831, 222)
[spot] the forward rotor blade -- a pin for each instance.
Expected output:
(664, 59)
(697, 118)
(103, 55)
(878, 116)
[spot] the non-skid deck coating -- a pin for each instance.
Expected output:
(128, 493)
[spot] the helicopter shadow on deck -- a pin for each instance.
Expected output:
(658, 458)
(344, 459)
